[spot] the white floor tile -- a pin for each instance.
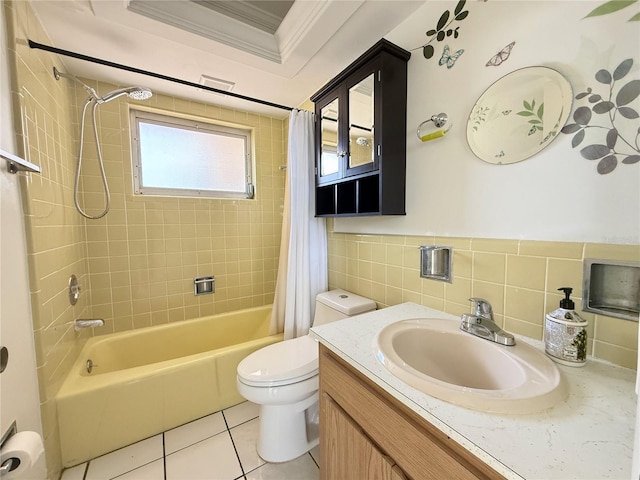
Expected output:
(74, 473)
(150, 471)
(213, 458)
(126, 459)
(241, 413)
(244, 438)
(193, 432)
(302, 468)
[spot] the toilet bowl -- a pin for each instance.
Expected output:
(283, 379)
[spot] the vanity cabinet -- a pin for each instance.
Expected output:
(366, 433)
(361, 119)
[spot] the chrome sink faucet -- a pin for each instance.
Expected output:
(481, 324)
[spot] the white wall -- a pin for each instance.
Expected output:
(19, 395)
(555, 195)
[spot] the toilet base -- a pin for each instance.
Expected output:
(288, 431)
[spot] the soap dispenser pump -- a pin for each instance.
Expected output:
(565, 333)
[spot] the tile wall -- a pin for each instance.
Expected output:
(145, 253)
(520, 278)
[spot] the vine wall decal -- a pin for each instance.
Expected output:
(614, 147)
(444, 29)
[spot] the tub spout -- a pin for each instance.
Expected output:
(87, 322)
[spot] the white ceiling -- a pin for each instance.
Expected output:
(314, 42)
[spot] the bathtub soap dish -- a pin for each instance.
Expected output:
(204, 285)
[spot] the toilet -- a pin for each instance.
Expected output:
(283, 379)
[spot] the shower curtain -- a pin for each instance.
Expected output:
(302, 271)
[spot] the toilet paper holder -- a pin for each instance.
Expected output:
(11, 463)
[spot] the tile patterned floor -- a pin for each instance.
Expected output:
(220, 446)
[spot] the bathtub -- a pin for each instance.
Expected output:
(149, 380)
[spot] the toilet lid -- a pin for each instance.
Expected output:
(281, 363)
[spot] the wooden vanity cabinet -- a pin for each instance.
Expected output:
(361, 119)
(365, 434)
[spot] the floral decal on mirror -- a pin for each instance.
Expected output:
(444, 29)
(616, 143)
(530, 110)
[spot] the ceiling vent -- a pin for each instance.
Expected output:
(216, 83)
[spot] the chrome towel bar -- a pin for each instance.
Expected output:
(17, 164)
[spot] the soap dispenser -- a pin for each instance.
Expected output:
(565, 333)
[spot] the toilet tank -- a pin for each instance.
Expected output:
(338, 304)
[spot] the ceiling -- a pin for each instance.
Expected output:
(278, 51)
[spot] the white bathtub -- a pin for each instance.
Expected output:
(149, 380)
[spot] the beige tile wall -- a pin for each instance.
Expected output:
(145, 253)
(519, 278)
(56, 242)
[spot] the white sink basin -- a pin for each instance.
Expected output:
(437, 358)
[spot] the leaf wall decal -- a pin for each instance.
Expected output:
(612, 136)
(628, 93)
(607, 165)
(582, 115)
(594, 152)
(628, 112)
(603, 107)
(443, 20)
(610, 7)
(622, 69)
(603, 76)
(631, 159)
(570, 128)
(577, 139)
(459, 7)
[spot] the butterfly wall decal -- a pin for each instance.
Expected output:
(501, 56)
(449, 58)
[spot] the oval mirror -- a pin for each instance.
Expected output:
(519, 115)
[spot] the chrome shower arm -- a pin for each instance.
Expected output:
(94, 95)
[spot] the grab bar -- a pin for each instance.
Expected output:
(17, 164)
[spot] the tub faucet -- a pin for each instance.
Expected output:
(481, 324)
(87, 322)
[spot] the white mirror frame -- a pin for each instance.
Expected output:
(519, 115)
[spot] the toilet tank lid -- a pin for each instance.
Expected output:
(346, 302)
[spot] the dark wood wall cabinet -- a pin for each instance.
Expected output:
(361, 125)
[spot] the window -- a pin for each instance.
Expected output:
(179, 157)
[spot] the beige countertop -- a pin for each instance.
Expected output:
(588, 436)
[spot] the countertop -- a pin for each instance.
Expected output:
(588, 436)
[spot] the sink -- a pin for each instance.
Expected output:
(434, 356)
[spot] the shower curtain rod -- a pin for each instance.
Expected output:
(100, 61)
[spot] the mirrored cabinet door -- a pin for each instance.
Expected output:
(330, 153)
(361, 123)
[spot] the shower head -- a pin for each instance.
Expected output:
(134, 93)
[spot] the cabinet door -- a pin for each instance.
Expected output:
(346, 452)
(363, 120)
(330, 148)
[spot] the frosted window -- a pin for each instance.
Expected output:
(173, 156)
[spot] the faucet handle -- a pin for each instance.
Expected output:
(482, 307)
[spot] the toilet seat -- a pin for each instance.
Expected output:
(282, 363)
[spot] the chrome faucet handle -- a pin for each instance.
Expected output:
(482, 307)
